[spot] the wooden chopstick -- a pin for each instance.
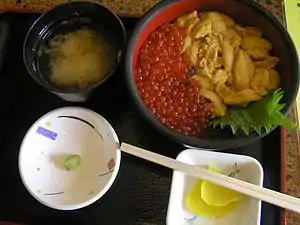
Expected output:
(264, 194)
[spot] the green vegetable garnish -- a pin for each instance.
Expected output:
(257, 116)
(72, 162)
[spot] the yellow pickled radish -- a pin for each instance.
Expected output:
(195, 203)
(216, 195)
(213, 169)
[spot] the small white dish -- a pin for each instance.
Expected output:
(248, 211)
(54, 137)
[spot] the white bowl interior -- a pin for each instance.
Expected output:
(248, 211)
(51, 140)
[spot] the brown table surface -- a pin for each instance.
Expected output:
(123, 7)
(134, 8)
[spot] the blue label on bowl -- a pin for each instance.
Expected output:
(46, 133)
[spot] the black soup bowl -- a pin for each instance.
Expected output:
(244, 12)
(66, 18)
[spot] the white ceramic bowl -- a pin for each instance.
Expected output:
(54, 137)
(248, 211)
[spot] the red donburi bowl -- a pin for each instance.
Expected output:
(244, 12)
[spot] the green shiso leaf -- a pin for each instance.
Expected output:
(257, 116)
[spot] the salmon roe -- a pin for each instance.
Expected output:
(163, 80)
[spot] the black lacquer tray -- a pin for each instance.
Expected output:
(141, 191)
